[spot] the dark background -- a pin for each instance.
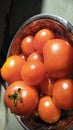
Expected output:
(13, 13)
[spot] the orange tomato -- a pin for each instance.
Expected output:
(58, 58)
(23, 56)
(33, 72)
(63, 93)
(47, 110)
(41, 37)
(27, 46)
(46, 86)
(11, 69)
(21, 98)
(35, 56)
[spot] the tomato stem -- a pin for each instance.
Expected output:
(15, 97)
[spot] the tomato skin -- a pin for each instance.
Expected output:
(58, 58)
(33, 72)
(63, 94)
(35, 56)
(46, 86)
(27, 46)
(11, 69)
(28, 95)
(23, 56)
(41, 37)
(47, 110)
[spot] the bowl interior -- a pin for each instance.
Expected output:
(30, 29)
(33, 122)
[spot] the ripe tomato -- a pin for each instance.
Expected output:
(63, 93)
(46, 86)
(23, 56)
(47, 110)
(58, 58)
(41, 37)
(33, 72)
(35, 56)
(27, 45)
(11, 69)
(21, 98)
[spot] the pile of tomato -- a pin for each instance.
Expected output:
(40, 78)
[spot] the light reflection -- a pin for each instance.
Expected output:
(33, 67)
(65, 85)
(24, 93)
(55, 47)
(35, 57)
(12, 63)
(43, 33)
(28, 39)
(47, 104)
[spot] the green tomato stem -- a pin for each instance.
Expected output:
(15, 96)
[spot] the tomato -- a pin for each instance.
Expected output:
(46, 86)
(35, 56)
(58, 58)
(11, 69)
(47, 110)
(23, 56)
(21, 98)
(63, 93)
(41, 37)
(27, 46)
(33, 72)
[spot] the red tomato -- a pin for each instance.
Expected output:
(63, 94)
(21, 98)
(27, 45)
(46, 86)
(58, 58)
(47, 110)
(11, 69)
(33, 72)
(41, 38)
(23, 56)
(35, 56)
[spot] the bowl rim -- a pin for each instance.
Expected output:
(56, 18)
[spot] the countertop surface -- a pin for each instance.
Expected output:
(12, 15)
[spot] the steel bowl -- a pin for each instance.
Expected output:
(62, 28)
